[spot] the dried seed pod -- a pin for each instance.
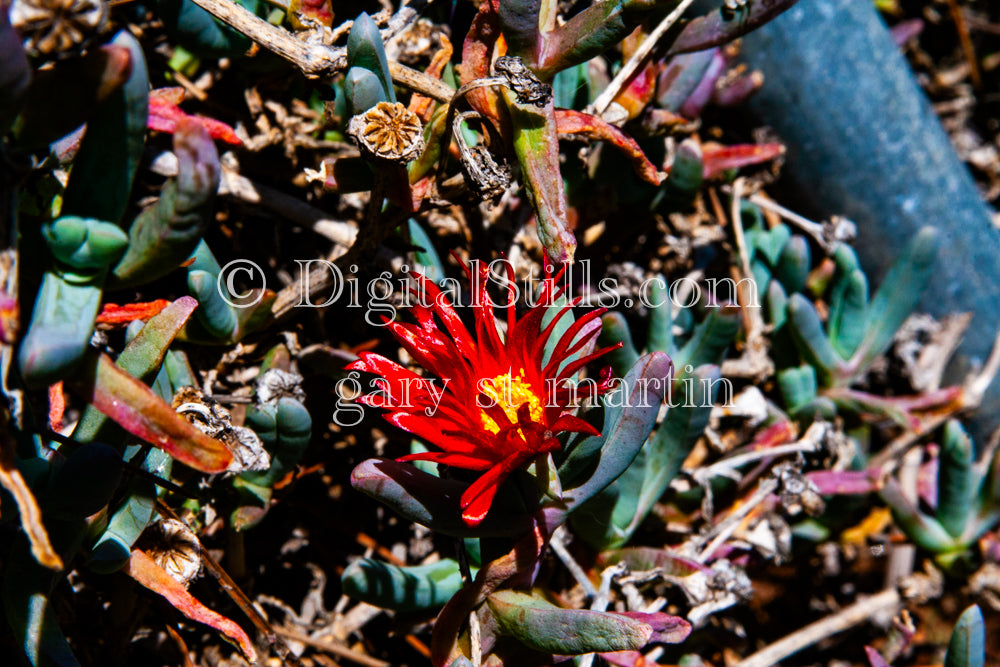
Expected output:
(483, 175)
(174, 547)
(798, 493)
(388, 131)
(58, 28)
(274, 384)
(522, 81)
(215, 421)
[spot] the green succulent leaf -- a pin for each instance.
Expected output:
(285, 430)
(630, 412)
(201, 33)
(614, 329)
(686, 176)
(793, 265)
(167, 232)
(924, 531)
(362, 90)
(141, 358)
(629, 499)
(519, 23)
(402, 589)
(101, 179)
(810, 339)
(365, 51)
(426, 258)
(710, 338)
(967, 647)
(544, 627)
(897, 296)
(537, 149)
(956, 479)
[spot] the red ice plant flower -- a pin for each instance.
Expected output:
(500, 402)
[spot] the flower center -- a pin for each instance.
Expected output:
(510, 392)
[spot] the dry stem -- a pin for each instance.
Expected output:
(842, 620)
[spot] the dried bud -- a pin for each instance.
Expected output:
(276, 384)
(799, 493)
(522, 81)
(215, 421)
(484, 176)
(174, 547)
(388, 131)
(58, 28)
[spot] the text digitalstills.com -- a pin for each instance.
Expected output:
(382, 296)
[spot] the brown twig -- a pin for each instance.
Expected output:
(336, 649)
(835, 623)
(318, 60)
(966, 41)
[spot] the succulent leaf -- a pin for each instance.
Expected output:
(793, 265)
(201, 33)
(402, 589)
(810, 339)
(614, 329)
(544, 627)
(167, 232)
(104, 167)
(365, 51)
(956, 479)
(967, 646)
(537, 150)
(898, 295)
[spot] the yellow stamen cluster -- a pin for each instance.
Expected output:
(510, 392)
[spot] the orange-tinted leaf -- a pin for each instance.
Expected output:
(477, 53)
(144, 570)
(569, 121)
(145, 415)
(165, 114)
(313, 11)
(57, 406)
(113, 314)
(718, 158)
(31, 516)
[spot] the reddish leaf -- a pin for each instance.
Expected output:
(113, 314)
(875, 658)
(10, 316)
(639, 91)
(719, 158)
(313, 11)
(536, 144)
(31, 515)
(165, 114)
(57, 406)
(846, 482)
(477, 53)
(569, 121)
(144, 570)
(145, 415)
(627, 659)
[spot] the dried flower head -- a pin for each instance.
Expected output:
(215, 421)
(522, 81)
(58, 28)
(502, 401)
(484, 176)
(174, 547)
(388, 131)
